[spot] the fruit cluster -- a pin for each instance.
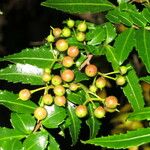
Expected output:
(62, 80)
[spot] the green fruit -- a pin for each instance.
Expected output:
(101, 82)
(60, 100)
(57, 32)
(93, 88)
(59, 90)
(67, 75)
(56, 80)
(24, 94)
(70, 23)
(82, 26)
(99, 112)
(47, 99)
(111, 102)
(40, 113)
(80, 36)
(73, 86)
(110, 110)
(50, 38)
(121, 80)
(91, 70)
(81, 111)
(62, 45)
(46, 77)
(67, 61)
(66, 32)
(123, 70)
(73, 51)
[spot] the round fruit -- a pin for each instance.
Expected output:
(62, 45)
(99, 112)
(80, 36)
(67, 61)
(60, 100)
(73, 86)
(56, 80)
(111, 102)
(82, 26)
(123, 70)
(47, 70)
(57, 32)
(101, 82)
(66, 32)
(24, 94)
(81, 111)
(93, 88)
(110, 110)
(120, 80)
(46, 77)
(47, 99)
(50, 38)
(59, 90)
(67, 75)
(70, 23)
(40, 113)
(73, 51)
(91, 70)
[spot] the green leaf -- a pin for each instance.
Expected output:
(56, 116)
(9, 134)
(143, 46)
(76, 97)
(23, 122)
(41, 57)
(143, 114)
(73, 41)
(124, 44)
(75, 126)
(110, 32)
(146, 14)
(93, 123)
(146, 79)
(24, 73)
(11, 101)
(79, 6)
(79, 76)
(36, 141)
(53, 144)
(122, 141)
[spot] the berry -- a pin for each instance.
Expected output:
(50, 38)
(80, 36)
(66, 32)
(56, 80)
(67, 75)
(123, 70)
(62, 45)
(110, 110)
(73, 86)
(81, 111)
(47, 70)
(99, 112)
(47, 99)
(60, 100)
(73, 51)
(57, 32)
(59, 90)
(120, 80)
(91, 70)
(82, 26)
(24, 94)
(111, 102)
(67, 61)
(46, 77)
(40, 113)
(101, 82)
(70, 23)
(93, 88)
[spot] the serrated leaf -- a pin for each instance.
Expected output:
(11, 101)
(79, 6)
(41, 57)
(23, 122)
(53, 144)
(56, 116)
(143, 114)
(110, 32)
(36, 141)
(24, 73)
(76, 97)
(75, 126)
(124, 44)
(92, 122)
(122, 141)
(143, 46)
(79, 76)
(146, 14)
(145, 79)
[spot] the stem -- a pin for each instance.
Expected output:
(38, 125)
(110, 73)
(97, 97)
(106, 76)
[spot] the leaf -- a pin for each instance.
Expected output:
(143, 46)
(41, 57)
(53, 144)
(146, 79)
(110, 32)
(23, 122)
(9, 134)
(73, 41)
(143, 114)
(36, 141)
(76, 97)
(93, 123)
(122, 141)
(11, 101)
(124, 44)
(146, 14)
(79, 6)
(79, 76)
(75, 126)
(24, 73)
(56, 116)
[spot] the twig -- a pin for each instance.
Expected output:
(38, 125)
